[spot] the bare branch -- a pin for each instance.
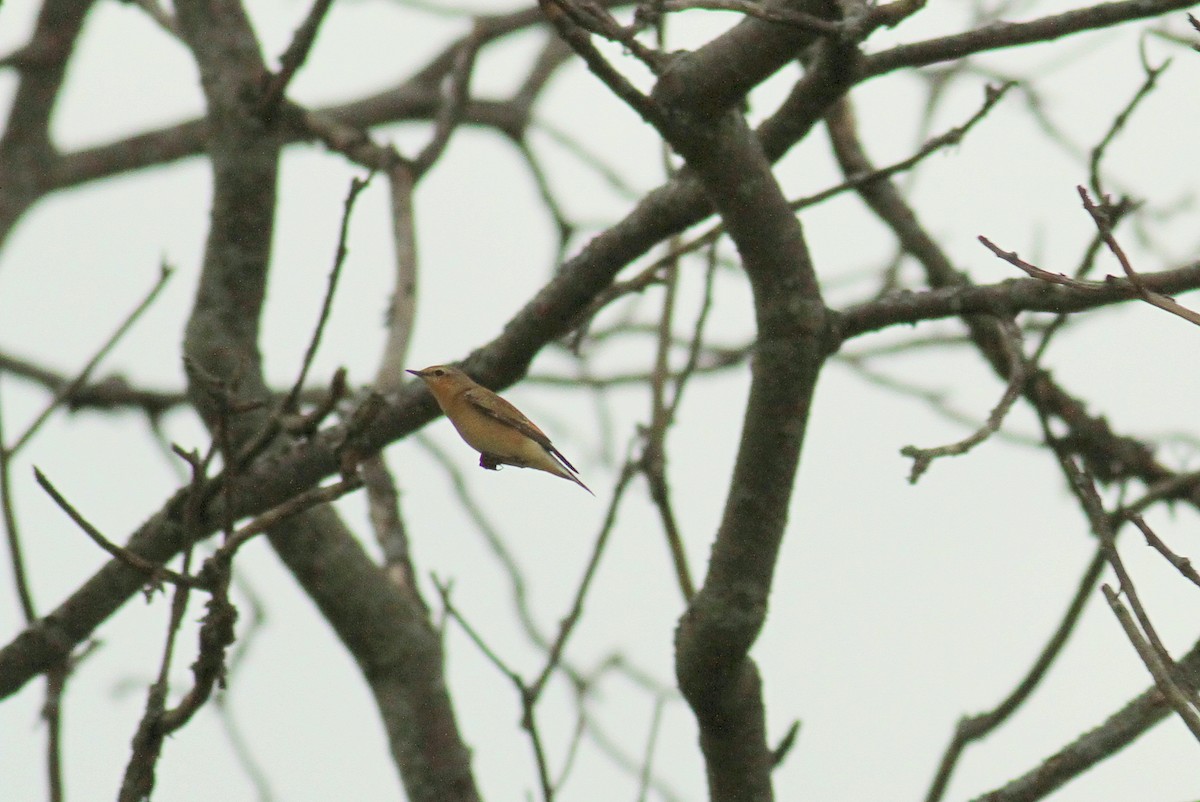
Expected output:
(998, 35)
(450, 111)
(1104, 226)
(976, 727)
(781, 15)
(1096, 744)
(1182, 700)
(1182, 564)
(923, 457)
(1119, 122)
(339, 259)
(12, 531)
(558, 12)
(295, 56)
(567, 625)
(154, 573)
(1010, 297)
(82, 377)
(402, 308)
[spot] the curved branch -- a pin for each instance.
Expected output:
(418, 98)
(724, 618)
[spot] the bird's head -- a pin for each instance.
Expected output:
(443, 378)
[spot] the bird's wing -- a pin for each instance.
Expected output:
(496, 407)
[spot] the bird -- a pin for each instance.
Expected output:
(492, 426)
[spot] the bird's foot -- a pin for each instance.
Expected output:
(489, 461)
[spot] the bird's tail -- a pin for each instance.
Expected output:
(577, 480)
(565, 469)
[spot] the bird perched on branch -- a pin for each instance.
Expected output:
(492, 426)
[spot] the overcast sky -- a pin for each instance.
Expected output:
(896, 608)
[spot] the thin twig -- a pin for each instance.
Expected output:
(322, 494)
(595, 18)
(295, 56)
(528, 702)
(56, 682)
(785, 745)
(111, 392)
(1137, 285)
(357, 185)
(559, 13)
(1142, 634)
(696, 342)
(976, 727)
(572, 751)
(1174, 487)
(1119, 122)
(648, 756)
(1010, 340)
(139, 776)
(654, 457)
(567, 626)
(937, 400)
(288, 405)
(1104, 225)
(562, 223)
(1084, 488)
(954, 136)
(991, 97)
(452, 612)
(11, 529)
(625, 189)
(81, 379)
(153, 571)
(530, 693)
(449, 113)
(1182, 564)
(1181, 701)
(492, 536)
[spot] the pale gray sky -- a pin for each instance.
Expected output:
(896, 608)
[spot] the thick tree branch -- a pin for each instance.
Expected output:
(396, 648)
(724, 618)
(221, 339)
(26, 153)
(403, 668)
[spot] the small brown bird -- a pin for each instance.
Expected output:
(492, 426)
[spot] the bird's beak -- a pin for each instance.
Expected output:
(416, 373)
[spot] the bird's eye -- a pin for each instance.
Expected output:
(439, 372)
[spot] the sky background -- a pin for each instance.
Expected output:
(896, 608)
